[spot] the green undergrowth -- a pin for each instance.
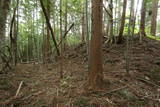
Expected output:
(81, 102)
(153, 37)
(155, 74)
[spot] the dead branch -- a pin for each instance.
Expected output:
(107, 12)
(34, 94)
(137, 93)
(19, 88)
(149, 82)
(114, 90)
(10, 101)
(66, 34)
(49, 26)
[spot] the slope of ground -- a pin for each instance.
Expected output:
(42, 87)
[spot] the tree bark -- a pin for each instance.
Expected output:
(4, 7)
(120, 37)
(87, 26)
(48, 52)
(143, 17)
(154, 17)
(66, 21)
(14, 33)
(95, 62)
(131, 18)
(61, 38)
(83, 27)
(50, 27)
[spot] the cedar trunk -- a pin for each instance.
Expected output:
(96, 69)
(154, 17)
(4, 6)
(120, 37)
(143, 16)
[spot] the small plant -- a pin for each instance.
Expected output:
(81, 102)
(127, 95)
(155, 74)
(5, 84)
(140, 103)
(65, 81)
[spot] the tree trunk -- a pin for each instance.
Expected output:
(143, 17)
(95, 67)
(131, 18)
(47, 38)
(4, 7)
(50, 27)
(135, 18)
(61, 39)
(120, 37)
(83, 28)
(111, 20)
(87, 26)
(66, 21)
(154, 17)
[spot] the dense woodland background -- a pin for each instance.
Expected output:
(79, 53)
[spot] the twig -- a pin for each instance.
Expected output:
(9, 101)
(149, 82)
(18, 90)
(35, 94)
(115, 90)
(132, 88)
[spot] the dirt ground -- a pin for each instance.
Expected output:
(42, 87)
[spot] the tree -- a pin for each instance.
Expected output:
(131, 18)
(120, 36)
(154, 17)
(87, 27)
(47, 38)
(143, 16)
(50, 27)
(13, 34)
(83, 27)
(61, 38)
(95, 61)
(4, 7)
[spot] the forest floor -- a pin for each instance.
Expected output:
(42, 87)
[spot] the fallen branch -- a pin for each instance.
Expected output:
(34, 94)
(114, 90)
(137, 93)
(149, 82)
(18, 90)
(9, 101)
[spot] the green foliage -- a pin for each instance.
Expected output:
(155, 74)
(126, 94)
(140, 103)
(81, 102)
(5, 84)
(65, 81)
(154, 37)
(73, 40)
